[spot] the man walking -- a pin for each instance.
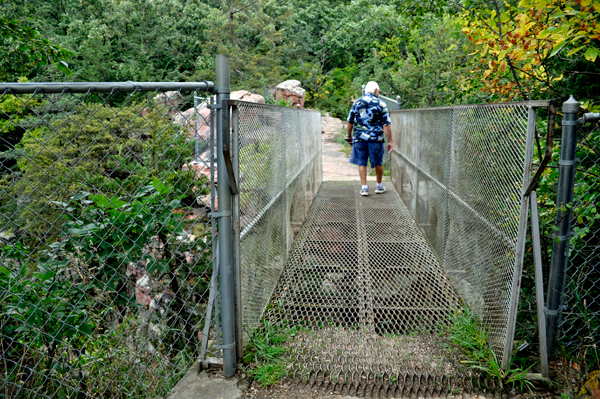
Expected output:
(370, 119)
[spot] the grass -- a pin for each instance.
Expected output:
(470, 338)
(265, 353)
(340, 138)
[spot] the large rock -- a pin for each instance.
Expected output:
(591, 388)
(292, 92)
(245, 95)
(186, 120)
(168, 102)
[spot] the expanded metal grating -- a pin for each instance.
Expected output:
(366, 288)
(461, 172)
(280, 173)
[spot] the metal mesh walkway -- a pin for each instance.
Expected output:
(370, 296)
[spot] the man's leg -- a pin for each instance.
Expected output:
(362, 172)
(378, 172)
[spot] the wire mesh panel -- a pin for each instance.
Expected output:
(580, 323)
(367, 297)
(106, 246)
(280, 173)
(463, 185)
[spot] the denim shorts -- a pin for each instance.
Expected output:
(361, 150)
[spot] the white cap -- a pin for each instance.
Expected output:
(371, 87)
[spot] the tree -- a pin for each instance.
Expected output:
(535, 48)
(22, 48)
(425, 68)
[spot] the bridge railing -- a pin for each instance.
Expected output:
(280, 172)
(462, 172)
(105, 236)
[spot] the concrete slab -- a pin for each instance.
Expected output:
(202, 385)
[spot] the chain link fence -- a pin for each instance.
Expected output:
(579, 327)
(106, 246)
(280, 174)
(461, 171)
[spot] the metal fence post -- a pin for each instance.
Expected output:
(398, 102)
(561, 237)
(520, 243)
(225, 225)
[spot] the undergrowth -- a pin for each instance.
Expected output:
(466, 332)
(265, 352)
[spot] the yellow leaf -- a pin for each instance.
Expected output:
(501, 55)
(503, 66)
(528, 26)
(575, 50)
(543, 34)
(484, 50)
(585, 3)
(522, 17)
(518, 54)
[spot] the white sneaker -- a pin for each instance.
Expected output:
(380, 190)
(364, 192)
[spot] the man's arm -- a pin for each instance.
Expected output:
(387, 129)
(349, 127)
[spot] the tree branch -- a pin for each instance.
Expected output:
(476, 15)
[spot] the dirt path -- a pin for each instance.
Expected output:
(335, 163)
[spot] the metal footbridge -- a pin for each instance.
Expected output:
(366, 287)
(370, 282)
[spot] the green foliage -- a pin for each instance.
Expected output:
(335, 91)
(98, 149)
(61, 310)
(265, 352)
(22, 48)
(466, 332)
(425, 67)
(111, 233)
(41, 302)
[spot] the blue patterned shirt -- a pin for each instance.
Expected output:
(369, 115)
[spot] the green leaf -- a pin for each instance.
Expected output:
(80, 196)
(591, 54)
(575, 50)
(160, 187)
(557, 48)
(117, 203)
(101, 201)
(4, 270)
(85, 328)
